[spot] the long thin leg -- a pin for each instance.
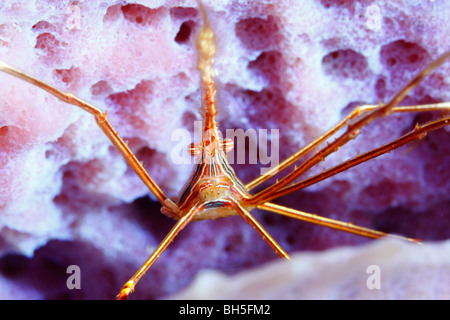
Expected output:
(130, 284)
(330, 223)
(258, 227)
(353, 129)
(102, 121)
(419, 132)
(357, 112)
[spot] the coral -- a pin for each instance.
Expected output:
(382, 270)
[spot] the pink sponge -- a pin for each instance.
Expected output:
(68, 198)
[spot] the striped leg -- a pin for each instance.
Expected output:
(102, 121)
(130, 284)
(353, 129)
(330, 223)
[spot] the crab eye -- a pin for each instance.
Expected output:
(194, 149)
(227, 145)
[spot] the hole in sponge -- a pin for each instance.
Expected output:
(342, 4)
(3, 131)
(185, 32)
(47, 42)
(345, 64)
(266, 107)
(268, 65)
(140, 15)
(182, 13)
(258, 33)
(101, 88)
(68, 76)
(403, 56)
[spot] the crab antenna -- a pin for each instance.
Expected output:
(206, 51)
